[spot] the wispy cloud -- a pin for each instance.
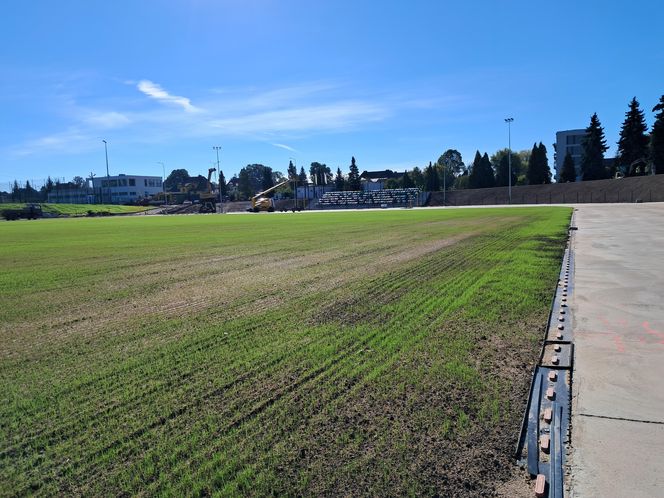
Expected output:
(110, 119)
(284, 146)
(156, 92)
(273, 115)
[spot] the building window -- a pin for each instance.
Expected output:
(146, 181)
(132, 182)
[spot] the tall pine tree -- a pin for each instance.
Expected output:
(568, 173)
(431, 180)
(657, 138)
(594, 147)
(538, 172)
(481, 174)
(354, 182)
(292, 171)
(339, 180)
(633, 142)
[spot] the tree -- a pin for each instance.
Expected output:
(79, 181)
(223, 188)
(568, 172)
(244, 184)
(292, 171)
(49, 184)
(538, 167)
(481, 174)
(451, 166)
(302, 177)
(633, 142)
(501, 161)
(594, 147)
(431, 180)
(339, 180)
(657, 138)
(320, 173)
(267, 181)
(407, 181)
(418, 177)
(354, 182)
(175, 179)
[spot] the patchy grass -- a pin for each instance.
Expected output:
(356, 353)
(80, 209)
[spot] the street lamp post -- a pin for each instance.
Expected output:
(163, 179)
(108, 176)
(509, 156)
(221, 201)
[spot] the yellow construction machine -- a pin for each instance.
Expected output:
(261, 203)
(208, 199)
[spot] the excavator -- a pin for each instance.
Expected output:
(208, 199)
(261, 203)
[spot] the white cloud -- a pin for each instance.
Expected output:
(71, 140)
(283, 146)
(158, 93)
(108, 119)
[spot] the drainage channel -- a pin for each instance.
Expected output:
(546, 422)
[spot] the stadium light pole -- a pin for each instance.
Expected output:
(108, 176)
(217, 148)
(509, 156)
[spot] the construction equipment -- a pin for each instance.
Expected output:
(261, 203)
(208, 199)
(30, 211)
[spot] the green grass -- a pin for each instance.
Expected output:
(291, 354)
(79, 209)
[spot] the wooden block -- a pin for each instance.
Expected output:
(540, 485)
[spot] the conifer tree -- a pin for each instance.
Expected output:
(594, 147)
(302, 177)
(292, 171)
(354, 182)
(431, 180)
(474, 177)
(487, 170)
(481, 175)
(339, 180)
(657, 138)
(633, 142)
(538, 172)
(568, 172)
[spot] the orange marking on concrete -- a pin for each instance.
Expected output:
(655, 333)
(620, 346)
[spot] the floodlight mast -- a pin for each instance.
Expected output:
(217, 148)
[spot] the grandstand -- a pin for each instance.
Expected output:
(358, 199)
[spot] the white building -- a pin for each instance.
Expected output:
(569, 141)
(126, 188)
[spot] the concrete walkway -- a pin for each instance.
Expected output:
(618, 312)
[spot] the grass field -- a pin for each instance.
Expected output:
(357, 353)
(79, 209)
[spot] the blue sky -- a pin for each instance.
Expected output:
(393, 83)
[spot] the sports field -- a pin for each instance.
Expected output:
(347, 353)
